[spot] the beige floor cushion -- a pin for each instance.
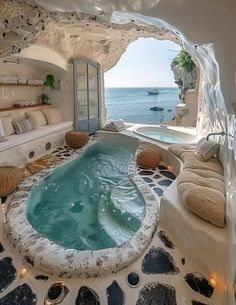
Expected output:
(53, 115)
(149, 158)
(10, 177)
(201, 185)
(37, 117)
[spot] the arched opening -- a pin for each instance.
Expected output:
(148, 85)
(145, 66)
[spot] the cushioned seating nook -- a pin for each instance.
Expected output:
(201, 185)
(203, 240)
(49, 133)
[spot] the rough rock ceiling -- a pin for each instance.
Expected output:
(71, 34)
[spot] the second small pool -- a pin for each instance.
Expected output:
(166, 135)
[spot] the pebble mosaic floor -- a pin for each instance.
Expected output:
(162, 275)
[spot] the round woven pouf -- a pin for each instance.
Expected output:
(10, 177)
(76, 139)
(149, 158)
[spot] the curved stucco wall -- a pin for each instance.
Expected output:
(44, 54)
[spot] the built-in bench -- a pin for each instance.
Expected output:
(200, 239)
(42, 132)
(19, 149)
(206, 242)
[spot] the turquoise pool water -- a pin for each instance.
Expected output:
(89, 203)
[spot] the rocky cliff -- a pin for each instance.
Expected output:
(185, 79)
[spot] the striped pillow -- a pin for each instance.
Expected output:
(22, 126)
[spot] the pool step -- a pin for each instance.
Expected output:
(111, 227)
(125, 205)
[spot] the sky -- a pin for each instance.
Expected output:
(145, 63)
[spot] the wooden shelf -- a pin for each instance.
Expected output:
(22, 108)
(20, 85)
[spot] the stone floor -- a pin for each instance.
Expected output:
(158, 180)
(163, 274)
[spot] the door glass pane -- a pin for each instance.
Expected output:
(92, 71)
(93, 77)
(93, 84)
(82, 97)
(82, 69)
(93, 97)
(93, 125)
(83, 125)
(83, 113)
(82, 83)
(86, 86)
(93, 111)
(93, 104)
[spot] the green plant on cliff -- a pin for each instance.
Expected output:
(184, 59)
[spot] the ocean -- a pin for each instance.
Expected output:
(133, 104)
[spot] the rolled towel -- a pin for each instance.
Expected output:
(207, 149)
(116, 125)
(32, 81)
(111, 125)
(22, 79)
(8, 79)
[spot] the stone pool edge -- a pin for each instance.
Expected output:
(56, 260)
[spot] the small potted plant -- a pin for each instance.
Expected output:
(44, 98)
(50, 81)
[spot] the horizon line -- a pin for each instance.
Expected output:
(143, 87)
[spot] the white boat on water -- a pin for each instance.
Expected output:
(153, 92)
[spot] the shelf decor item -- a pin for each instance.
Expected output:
(44, 98)
(50, 81)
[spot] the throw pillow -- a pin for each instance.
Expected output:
(6, 128)
(207, 149)
(53, 115)
(23, 126)
(37, 117)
